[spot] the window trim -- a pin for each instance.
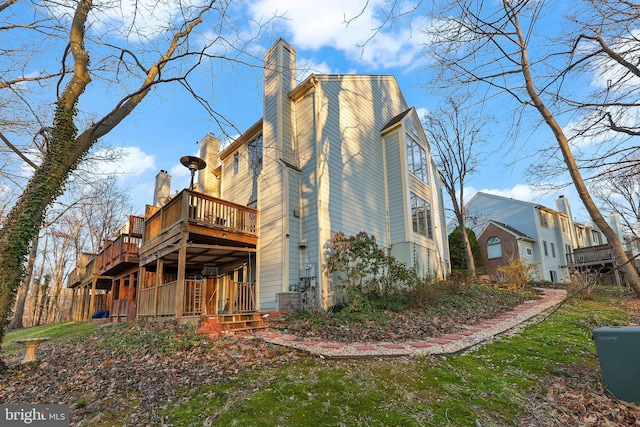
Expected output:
(425, 227)
(412, 145)
(494, 243)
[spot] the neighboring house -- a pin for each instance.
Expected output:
(535, 233)
(332, 153)
(108, 280)
(500, 244)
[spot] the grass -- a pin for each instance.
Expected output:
(488, 386)
(491, 385)
(55, 331)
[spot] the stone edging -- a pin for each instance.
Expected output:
(464, 339)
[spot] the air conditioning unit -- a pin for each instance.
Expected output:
(210, 270)
(289, 301)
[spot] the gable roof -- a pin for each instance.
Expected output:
(397, 119)
(518, 234)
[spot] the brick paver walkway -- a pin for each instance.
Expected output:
(445, 344)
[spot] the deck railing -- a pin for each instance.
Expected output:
(190, 206)
(166, 302)
(238, 297)
(194, 297)
(123, 249)
(146, 301)
(84, 270)
(223, 296)
(119, 308)
(593, 255)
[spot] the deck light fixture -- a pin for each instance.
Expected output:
(194, 164)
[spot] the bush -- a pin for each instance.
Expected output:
(516, 274)
(371, 278)
(583, 282)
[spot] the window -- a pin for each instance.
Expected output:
(236, 162)
(421, 216)
(567, 249)
(544, 244)
(553, 250)
(553, 276)
(529, 251)
(255, 154)
(565, 225)
(544, 219)
(596, 237)
(417, 159)
(494, 247)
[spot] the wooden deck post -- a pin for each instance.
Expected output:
(131, 297)
(142, 284)
(182, 264)
(159, 279)
(85, 301)
(92, 303)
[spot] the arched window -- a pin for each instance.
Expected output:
(494, 247)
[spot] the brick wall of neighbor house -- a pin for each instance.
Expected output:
(509, 248)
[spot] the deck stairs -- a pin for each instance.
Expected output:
(229, 324)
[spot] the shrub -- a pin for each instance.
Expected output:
(371, 278)
(516, 274)
(583, 282)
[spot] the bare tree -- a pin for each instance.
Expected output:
(620, 194)
(454, 134)
(23, 292)
(503, 47)
(164, 55)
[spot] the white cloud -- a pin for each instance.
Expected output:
(347, 25)
(132, 161)
(522, 192)
(422, 112)
(138, 20)
(306, 67)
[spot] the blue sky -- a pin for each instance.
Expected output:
(170, 122)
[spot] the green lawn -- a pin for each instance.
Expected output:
(489, 386)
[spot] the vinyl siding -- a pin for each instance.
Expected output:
(305, 131)
(352, 113)
(397, 213)
(238, 187)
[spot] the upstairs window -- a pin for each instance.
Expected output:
(255, 154)
(236, 163)
(544, 219)
(417, 159)
(494, 247)
(421, 216)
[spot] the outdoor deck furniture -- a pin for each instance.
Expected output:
(31, 344)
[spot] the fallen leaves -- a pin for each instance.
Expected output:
(133, 382)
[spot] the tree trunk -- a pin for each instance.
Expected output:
(18, 314)
(460, 214)
(630, 274)
(471, 264)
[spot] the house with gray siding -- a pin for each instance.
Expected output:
(508, 228)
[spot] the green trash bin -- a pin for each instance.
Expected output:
(619, 350)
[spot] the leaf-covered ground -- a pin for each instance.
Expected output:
(444, 311)
(129, 373)
(141, 373)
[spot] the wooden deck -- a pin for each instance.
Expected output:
(191, 251)
(208, 221)
(122, 253)
(590, 256)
